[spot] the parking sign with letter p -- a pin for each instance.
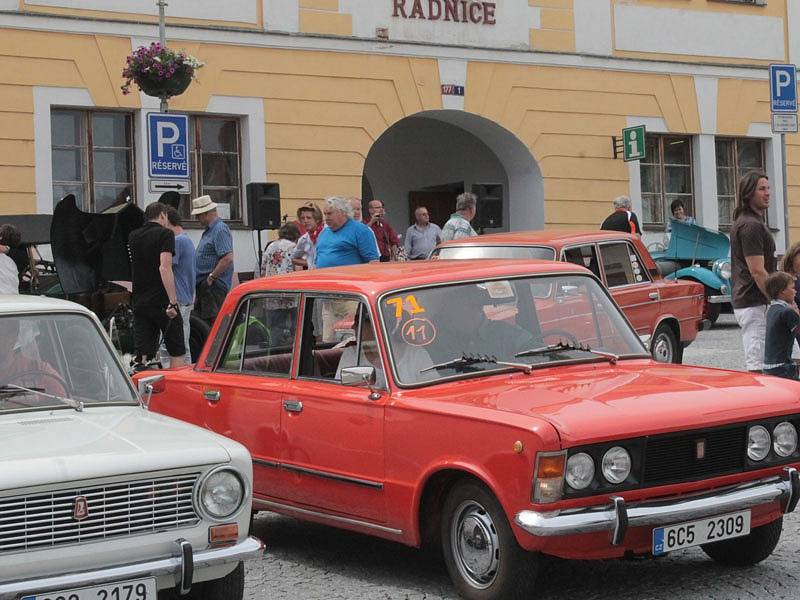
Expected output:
(168, 152)
(783, 88)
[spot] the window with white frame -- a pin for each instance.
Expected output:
(666, 174)
(735, 157)
(216, 163)
(92, 157)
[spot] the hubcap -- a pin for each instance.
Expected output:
(662, 349)
(476, 547)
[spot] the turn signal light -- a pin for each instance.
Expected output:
(548, 477)
(221, 535)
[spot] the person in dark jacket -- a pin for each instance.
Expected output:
(623, 218)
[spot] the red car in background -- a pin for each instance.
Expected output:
(667, 314)
(500, 410)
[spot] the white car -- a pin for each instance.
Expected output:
(100, 499)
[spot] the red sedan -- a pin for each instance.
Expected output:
(502, 410)
(667, 313)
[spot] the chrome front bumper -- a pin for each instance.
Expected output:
(618, 517)
(719, 299)
(182, 565)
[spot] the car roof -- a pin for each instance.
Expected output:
(545, 237)
(21, 303)
(376, 278)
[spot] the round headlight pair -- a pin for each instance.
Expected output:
(221, 493)
(615, 466)
(783, 441)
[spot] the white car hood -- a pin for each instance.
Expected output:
(59, 446)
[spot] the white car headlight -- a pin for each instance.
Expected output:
(580, 471)
(616, 465)
(221, 493)
(725, 269)
(784, 438)
(758, 443)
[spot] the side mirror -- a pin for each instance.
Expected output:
(359, 376)
(148, 386)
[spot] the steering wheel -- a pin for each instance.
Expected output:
(35, 372)
(563, 333)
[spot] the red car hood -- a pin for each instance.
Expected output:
(592, 403)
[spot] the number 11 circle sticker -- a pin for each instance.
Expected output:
(418, 332)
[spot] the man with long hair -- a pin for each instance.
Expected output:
(752, 260)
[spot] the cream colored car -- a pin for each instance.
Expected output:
(101, 499)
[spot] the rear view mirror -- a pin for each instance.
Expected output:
(359, 376)
(149, 386)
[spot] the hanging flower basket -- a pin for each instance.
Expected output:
(159, 71)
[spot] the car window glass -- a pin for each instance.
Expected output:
(521, 252)
(585, 256)
(269, 335)
(621, 265)
(330, 327)
(232, 355)
(216, 344)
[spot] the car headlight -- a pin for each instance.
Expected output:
(221, 493)
(580, 471)
(722, 267)
(758, 443)
(784, 439)
(616, 465)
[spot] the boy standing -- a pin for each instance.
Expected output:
(783, 326)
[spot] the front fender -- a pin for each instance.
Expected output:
(705, 276)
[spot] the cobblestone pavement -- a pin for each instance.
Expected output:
(308, 562)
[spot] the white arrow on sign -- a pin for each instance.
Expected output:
(169, 185)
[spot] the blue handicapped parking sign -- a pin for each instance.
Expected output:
(168, 138)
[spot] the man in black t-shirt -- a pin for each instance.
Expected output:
(155, 304)
(623, 218)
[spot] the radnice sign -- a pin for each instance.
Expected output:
(455, 11)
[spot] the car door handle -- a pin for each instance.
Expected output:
(653, 295)
(212, 395)
(293, 406)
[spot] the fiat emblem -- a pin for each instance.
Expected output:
(700, 449)
(80, 510)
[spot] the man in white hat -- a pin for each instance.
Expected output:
(213, 259)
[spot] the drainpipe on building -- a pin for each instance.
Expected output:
(162, 36)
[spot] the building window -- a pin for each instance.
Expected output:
(92, 154)
(666, 173)
(735, 157)
(216, 164)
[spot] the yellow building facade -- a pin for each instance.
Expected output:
(410, 101)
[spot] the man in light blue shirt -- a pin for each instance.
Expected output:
(183, 269)
(213, 260)
(422, 236)
(344, 241)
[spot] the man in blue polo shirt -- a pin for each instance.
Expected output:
(213, 260)
(344, 241)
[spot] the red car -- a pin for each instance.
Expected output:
(500, 409)
(666, 313)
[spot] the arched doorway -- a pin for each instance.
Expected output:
(431, 157)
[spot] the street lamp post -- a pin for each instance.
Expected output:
(162, 36)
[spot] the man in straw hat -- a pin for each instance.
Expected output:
(213, 259)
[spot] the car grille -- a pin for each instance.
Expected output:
(115, 510)
(675, 457)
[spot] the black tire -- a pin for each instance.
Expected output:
(713, 312)
(497, 569)
(230, 587)
(748, 550)
(664, 347)
(198, 333)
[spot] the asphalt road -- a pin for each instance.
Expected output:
(307, 562)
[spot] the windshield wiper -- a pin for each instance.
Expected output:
(612, 358)
(466, 360)
(9, 387)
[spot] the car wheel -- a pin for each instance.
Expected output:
(664, 346)
(712, 314)
(479, 549)
(230, 587)
(748, 550)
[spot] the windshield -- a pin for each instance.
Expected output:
(528, 322)
(45, 357)
(469, 252)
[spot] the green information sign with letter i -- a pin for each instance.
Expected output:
(633, 143)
